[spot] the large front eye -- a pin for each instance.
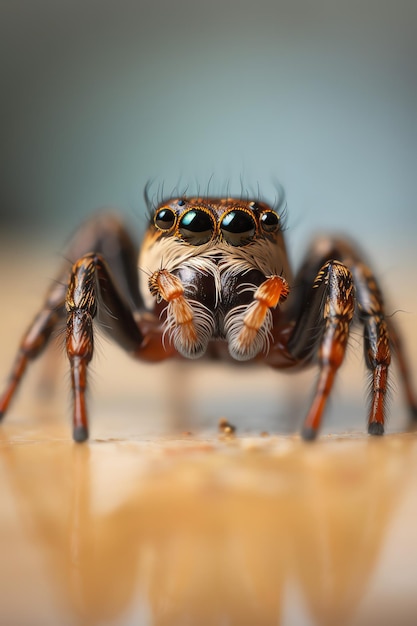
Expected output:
(165, 219)
(196, 227)
(238, 227)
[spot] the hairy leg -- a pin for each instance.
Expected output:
(330, 307)
(379, 333)
(106, 234)
(91, 285)
(35, 340)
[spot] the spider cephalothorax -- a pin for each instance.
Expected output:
(214, 279)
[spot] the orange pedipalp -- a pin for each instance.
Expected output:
(168, 287)
(273, 290)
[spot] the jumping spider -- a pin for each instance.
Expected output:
(215, 280)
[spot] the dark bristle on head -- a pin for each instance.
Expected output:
(155, 199)
(376, 428)
(147, 193)
(80, 434)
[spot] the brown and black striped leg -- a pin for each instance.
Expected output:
(105, 234)
(378, 359)
(376, 342)
(35, 340)
(380, 338)
(330, 307)
(379, 332)
(92, 285)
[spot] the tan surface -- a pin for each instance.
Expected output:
(139, 527)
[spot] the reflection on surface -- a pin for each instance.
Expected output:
(241, 531)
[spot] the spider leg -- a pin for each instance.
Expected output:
(381, 338)
(376, 341)
(35, 340)
(330, 309)
(379, 333)
(78, 293)
(91, 284)
(399, 353)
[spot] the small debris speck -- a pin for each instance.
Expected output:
(225, 427)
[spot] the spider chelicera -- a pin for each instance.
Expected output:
(214, 279)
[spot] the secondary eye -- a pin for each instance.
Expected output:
(269, 221)
(196, 227)
(238, 227)
(165, 219)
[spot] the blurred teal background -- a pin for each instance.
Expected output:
(98, 97)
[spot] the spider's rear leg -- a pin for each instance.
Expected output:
(399, 353)
(379, 335)
(35, 340)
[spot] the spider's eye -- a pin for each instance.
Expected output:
(238, 227)
(269, 221)
(196, 227)
(165, 219)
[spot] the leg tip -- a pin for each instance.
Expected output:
(308, 433)
(80, 434)
(376, 428)
(413, 412)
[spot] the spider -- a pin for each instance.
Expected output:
(215, 280)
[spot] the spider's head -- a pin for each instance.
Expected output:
(198, 221)
(208, 262)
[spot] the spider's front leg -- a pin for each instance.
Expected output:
(91, 284)
(329, 312)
